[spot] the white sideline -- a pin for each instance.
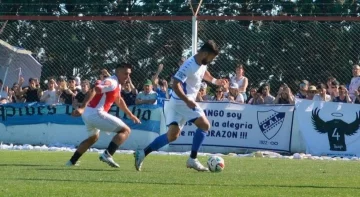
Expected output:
(268, 154)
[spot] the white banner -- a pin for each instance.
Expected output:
(329, 128)
(244, 126)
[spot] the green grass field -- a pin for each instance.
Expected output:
(27, 173)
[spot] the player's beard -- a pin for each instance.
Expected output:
(204, 62)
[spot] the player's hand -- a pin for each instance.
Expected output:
(78, 112)
(135, 119)
(221, 82)
(191, 104)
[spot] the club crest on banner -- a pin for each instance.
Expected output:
(270, 122)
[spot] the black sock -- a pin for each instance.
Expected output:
(75, 157)
(193, 154)
(112, 148)
(148, 150)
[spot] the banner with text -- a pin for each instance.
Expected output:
(244, 126)
(35, 113)
(329, 128)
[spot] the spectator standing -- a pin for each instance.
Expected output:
(147, 96)
(241, 80)
(355, 81)
(14, 96)
(344, 96)
(322, 95)
(329, 82)
(303, 89)
(250, 99)
(80, 96)
(264, 96)
(284, 96)
(32, 93)
(51, 95)
(68, 94)
(160, 86)
(78, 83)
(357, 94)
(334, 89)
(129, 93)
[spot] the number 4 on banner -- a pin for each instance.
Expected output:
(336, 134)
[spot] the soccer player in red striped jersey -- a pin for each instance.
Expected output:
(94, 112)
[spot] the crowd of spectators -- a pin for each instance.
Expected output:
(154, 91)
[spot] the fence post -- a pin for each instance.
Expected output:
(194, 35)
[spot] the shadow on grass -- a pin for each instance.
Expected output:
(185, 184)
(21, 165)
(78, 169)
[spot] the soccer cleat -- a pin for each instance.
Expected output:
(69, 164)
(106, 158)
(139, 158)
(196, 165)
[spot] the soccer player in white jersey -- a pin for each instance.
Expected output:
(182, 106)
(94, 112)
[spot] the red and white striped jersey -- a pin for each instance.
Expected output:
(107, 91)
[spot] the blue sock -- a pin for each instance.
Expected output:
(159, 142)
(198, 139)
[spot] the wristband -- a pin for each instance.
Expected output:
(213, 81)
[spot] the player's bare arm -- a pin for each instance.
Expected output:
(177, 88)
(209, 78)
(122, 105)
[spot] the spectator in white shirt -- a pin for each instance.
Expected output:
(355, 82)
(78, 83)
(148, 96)
(241, 80)
(235, 95)
(51, 95)
(322, 95)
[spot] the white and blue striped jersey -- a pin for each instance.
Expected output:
(190, 74)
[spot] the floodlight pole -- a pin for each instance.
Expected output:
(194, 28)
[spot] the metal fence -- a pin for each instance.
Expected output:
(273, 52)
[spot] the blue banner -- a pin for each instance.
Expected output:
(37, 113)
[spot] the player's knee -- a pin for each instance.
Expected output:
(206, 127)
(203, 124)
(125, 130)
(94, 138)
(173, 133)
(172, 136)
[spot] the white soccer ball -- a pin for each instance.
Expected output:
(216, 164)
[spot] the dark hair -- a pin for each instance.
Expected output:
(1, 81)
(160, 83)
(342, 87)
(331, 78)
(335, 83)
(124, 65)
(321, 86)
(240, 66)
(87, 82)
(71, 78)
(210, 47)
